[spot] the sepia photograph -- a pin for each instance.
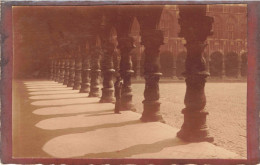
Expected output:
(108, 82)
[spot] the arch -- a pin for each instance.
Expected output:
(180, 63)
(231, 64)
(244, 64)
(135, 28)
(166, 61)
(215, 64)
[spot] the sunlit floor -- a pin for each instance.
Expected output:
(52, 120)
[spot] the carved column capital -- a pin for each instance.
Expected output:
(125, 43)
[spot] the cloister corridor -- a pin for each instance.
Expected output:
(52, 120)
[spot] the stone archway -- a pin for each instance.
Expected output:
(231, 64)
(215, 64)
(166, 61)
(244, 64)
(180, 63)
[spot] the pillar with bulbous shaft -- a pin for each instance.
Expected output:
(57, 70)
(71, 70)
(51, 68)
(78, 67)
(107, 68)
(195, 28)
(62, 70)
(223, 71)
(67, 70)
(174, 67)
(239, 66)
(125, 45)
(54, 68)
(152, 39)
(95, 53)
(85, 71)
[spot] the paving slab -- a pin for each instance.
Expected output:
(72, 127)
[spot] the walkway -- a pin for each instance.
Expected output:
(52, 120)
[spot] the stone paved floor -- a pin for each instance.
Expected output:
(226, 104)
(51, 120)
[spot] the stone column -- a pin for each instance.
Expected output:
(152, 39)
(107, 61)
(62, 70)
(174, 73)
(85, 72)
(95, 53)
(51, 68)
(78, 67)
(57, 69)
(239, 66)
(67, 71)
(195, 28)
(107, 71)
(54, 68)
(71, 70)
(125, 45)
(175, 53)
(223, 73)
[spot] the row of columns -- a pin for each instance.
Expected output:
(81, 68)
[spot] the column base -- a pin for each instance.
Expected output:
(84, 90)
(194, 128)
(61, 81)
(127, 106)
(76, 87)
(70, 84)
(94, 92)
(151, 112)
(107, 100)
(65, 82)
(107, 96)
(195, 136)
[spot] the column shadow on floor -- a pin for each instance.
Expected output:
(84, 121)
(49, 89)
(59, 96)
(54, 92)
(72, 109)
(139, 149)
(45, 86)
(69, 101)
(112, 140)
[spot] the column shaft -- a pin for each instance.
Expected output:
(195, 27)
(71, 72)
(85, 72)
(107, 71)
(95, 72)
(62, 70)
(67, 71)
(126, 44)
(152, 39)
(57, 70)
